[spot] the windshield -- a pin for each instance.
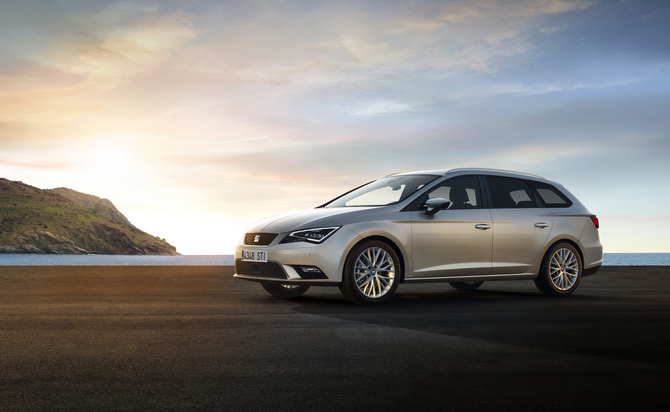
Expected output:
(382, 192)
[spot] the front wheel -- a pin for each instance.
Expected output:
(466, 285)
(561, 271)
(371, 273)
(283, 291)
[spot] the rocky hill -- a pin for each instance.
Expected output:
(65, 221)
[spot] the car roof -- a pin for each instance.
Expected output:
(483, 171)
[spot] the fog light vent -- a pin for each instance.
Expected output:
(310, 272)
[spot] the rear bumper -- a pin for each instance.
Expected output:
(590, 271)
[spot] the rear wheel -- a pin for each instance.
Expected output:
(561, 270)
(371, 273)
(284, 291)
(466, 285)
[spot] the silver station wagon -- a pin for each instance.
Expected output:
(462, 226)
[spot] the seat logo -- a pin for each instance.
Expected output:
(257, 238)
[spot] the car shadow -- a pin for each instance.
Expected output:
(523, 318)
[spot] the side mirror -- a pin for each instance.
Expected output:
(436, 204)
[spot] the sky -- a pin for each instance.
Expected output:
(197, 118)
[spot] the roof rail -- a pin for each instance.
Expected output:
(472, 169)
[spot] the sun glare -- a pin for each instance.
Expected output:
(108, 162)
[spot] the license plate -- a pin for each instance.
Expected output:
(254, 256)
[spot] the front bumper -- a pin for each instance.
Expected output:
(285, 261)
(308, 282)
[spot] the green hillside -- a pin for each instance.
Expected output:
(62, 220)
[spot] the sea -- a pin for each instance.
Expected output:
(8, 259)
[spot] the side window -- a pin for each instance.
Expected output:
(507, 193)
(462, 191)
(550, 196)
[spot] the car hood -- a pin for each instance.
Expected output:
(313, 218)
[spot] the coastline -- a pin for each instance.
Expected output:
(610, 259)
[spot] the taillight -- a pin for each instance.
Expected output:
(595, 221)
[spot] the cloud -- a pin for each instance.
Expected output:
(381, 107)
(543, 88)
(353, 44)
(408, 24)
(49, 165)
(117, 43)
(56, 70)
(462, 11)
(638, 219)
(477, 35)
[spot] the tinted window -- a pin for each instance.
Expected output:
(550, 196)
(462, 191)
(510, 193)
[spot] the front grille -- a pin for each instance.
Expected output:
(264, 239)
(260, 269)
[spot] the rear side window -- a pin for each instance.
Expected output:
(508, 193)
(551, 197)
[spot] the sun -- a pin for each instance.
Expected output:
(108, 162)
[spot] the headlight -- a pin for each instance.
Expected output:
(310, 235)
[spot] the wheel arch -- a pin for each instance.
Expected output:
(543, 280)
(565, 240)
(389, 242)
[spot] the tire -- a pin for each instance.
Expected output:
(560, 271)
(371, 273)
(280, 290)
(466, 286)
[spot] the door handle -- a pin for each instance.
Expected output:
(541, 225)
(483, 227)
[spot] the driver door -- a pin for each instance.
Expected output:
(457, 241)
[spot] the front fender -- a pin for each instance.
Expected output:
(398, 232)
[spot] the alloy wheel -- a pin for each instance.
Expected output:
(563, 269)
(374, 272)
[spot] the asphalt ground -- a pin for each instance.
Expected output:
(194, 338)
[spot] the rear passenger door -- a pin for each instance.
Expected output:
(521, 224)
